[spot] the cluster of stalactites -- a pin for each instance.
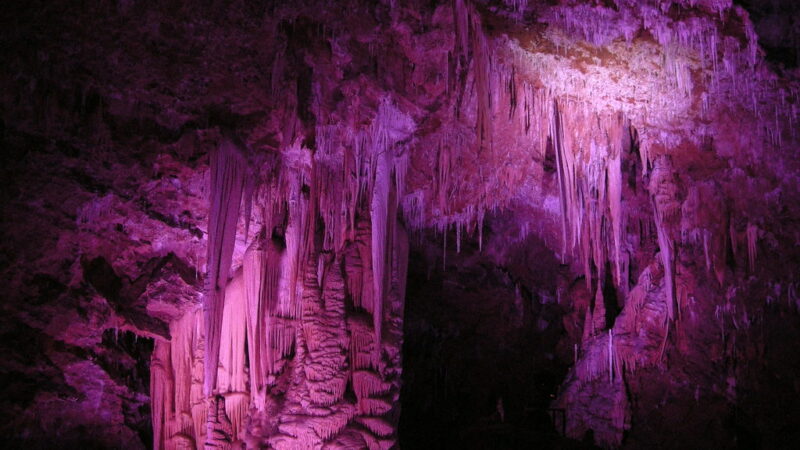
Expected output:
(261, 274)
(258, 311)
(588, 146)
(588, 150)
(180, 406)
(357, 170)
(488, 83)
(178, 403)
(706, 63)
(487, 95)
(226, 322)
(697, 28)
(318, 339)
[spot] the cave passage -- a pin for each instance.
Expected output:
(479, 356)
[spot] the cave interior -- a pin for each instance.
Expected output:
(417, 224)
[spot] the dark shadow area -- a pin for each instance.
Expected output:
(479, 357)
(775, 23)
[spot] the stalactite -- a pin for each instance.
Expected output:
(401, 262)
(188, 422)
(280, 341)
(734, 238)
(413, 207)
(517, 7)
(482, 67)
(288, 304)
(666, 211)
(599, 357)
(358, 264)
(185, 344)
(644, 155)
(332, 184)
(461, 23)
(261, 273)
(368, 384)
(585, 254)
(231, 376)
(752, 239)
(595, 184)
(666, 249)
(379, 210)
(161, 392)
(443, 174)
(374, 406)
(390, 126)
(248, 191)
(556, 142)
(615, 204)
(176, 385)
(361, 345)
(588, 325)
(237, 405)
(610, 355)
(198, 415)
(635, 304)
(227, 182)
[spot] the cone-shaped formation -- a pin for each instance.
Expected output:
(227, 182)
